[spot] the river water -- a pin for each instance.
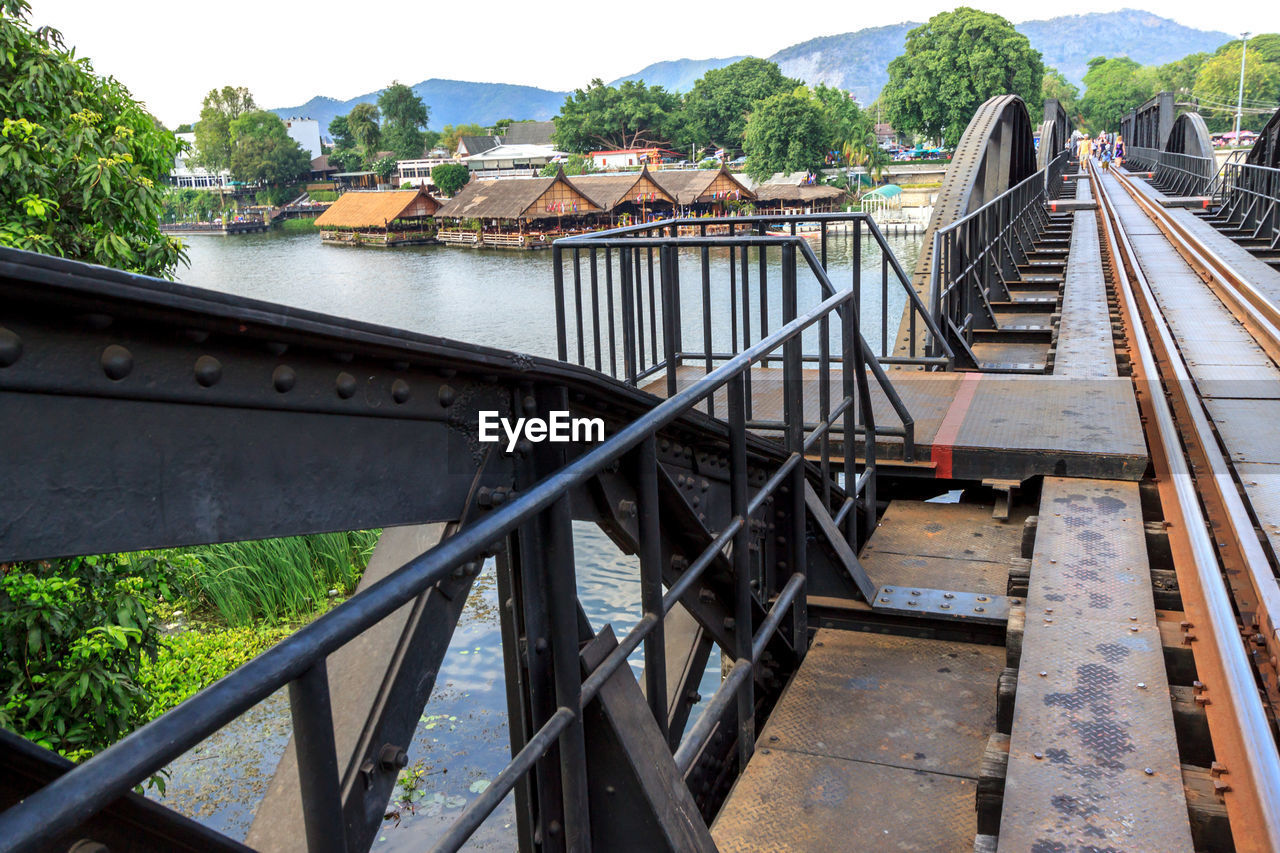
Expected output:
(495, 298)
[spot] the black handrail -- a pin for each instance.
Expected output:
(1248, 203)
(976, 257)
(609, 333)
(300, 660)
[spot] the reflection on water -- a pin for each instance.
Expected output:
(495, 298)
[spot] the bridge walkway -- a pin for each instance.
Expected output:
(1084, 344)
(881, 738)
(970, 424)
(1263, 276)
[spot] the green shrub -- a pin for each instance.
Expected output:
(274, 580)
(301, 226)
(192, 660)
(74, 634)
(323, 195)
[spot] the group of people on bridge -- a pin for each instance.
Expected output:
(1105, 146)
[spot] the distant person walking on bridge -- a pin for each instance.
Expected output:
(1084, 149)
(1119, 158)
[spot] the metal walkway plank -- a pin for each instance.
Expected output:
(1085, 345)
(869, 716)
(1093, 758)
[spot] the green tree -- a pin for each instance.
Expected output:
(500, 126)
(263, 150)
(450, 135)
(848, 123)
(716, 108)
(340, 132)
(1218, 80)
(186, 127)
(83, 163)
(362, 124)
(789, 132)
(1056, 85)
(213, 131)
(1179, 76)
(450, 177)
(953, 64)
(404, 117)
(1112, 88)
(631, 115)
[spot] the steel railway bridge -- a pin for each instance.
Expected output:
(996, 572)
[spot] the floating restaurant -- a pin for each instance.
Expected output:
(395, 218)
(628, 198)
(516, 213)
(792, 199)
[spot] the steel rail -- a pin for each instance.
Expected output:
(1243, 736)
(1258, 313)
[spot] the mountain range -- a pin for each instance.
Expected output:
(857, 61)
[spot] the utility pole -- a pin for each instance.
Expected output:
(1244, 49)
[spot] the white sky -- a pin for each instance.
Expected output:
(286, 51)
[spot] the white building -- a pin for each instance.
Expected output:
(185, 174)
(306, 132)
(511, 160)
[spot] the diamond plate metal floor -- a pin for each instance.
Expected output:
(875, 745)
(956, 546)
(1093, 757)
(1084, 346)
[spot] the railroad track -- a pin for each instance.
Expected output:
(1227, 576)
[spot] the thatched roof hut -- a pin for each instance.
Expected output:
(614, 190)
(369, 211)
(519, 199)
(798, 193)
(702, 186)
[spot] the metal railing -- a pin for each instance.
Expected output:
(979, 255)
(1138, 158)
(764, 482)
(627, 315)
(1183, 174)
(1248, 203)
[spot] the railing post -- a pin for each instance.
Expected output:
(705, 256)
(557, 272)
(650, 529)
(562, 607)
(849, 388)
(667, 277)
(738, 502)
(629, 365)
(318, 781)
(793, 414)
(577, 304)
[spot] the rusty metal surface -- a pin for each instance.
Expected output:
(956, 531)
(1093, 760)
(905, 702)
(1084, 346)
(921, 602)
(793, 802)
(1242, 740)
(980, 576)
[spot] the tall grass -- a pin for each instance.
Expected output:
(276, 580)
